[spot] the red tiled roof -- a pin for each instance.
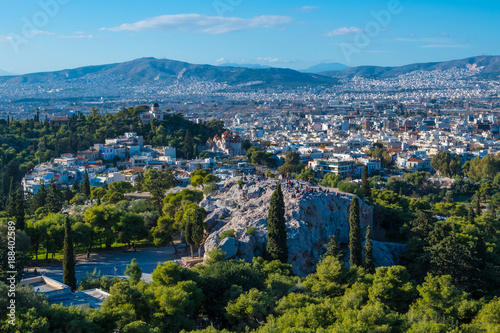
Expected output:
(60, 119)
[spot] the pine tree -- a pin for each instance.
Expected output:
(20, 223)
(355, 246)
(365, 185)
(133, 271)
(69, 277)
(369, 264)
(276, 228)
(85, 185)
(333, 249)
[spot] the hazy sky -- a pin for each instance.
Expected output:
(48, 35)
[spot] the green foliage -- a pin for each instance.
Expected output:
(251, 231)
(365, 185)
(22, 248)
(157, 183)
(260, 157)
(482, 168)
(392, 287)
(133, 271)
(442, 303)
(333, 249)
(226, 234)
(194, 231)
(170, 273)
(96, 280)
(250, 309)
(163, 233)
(355, 248)
(175, 202)
(368, 262)
(332, 278)
(215, 255)
(306, 175)
(85, 185)
(446, 164)
(276, 228)
(69, 277)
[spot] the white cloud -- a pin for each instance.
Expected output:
(309, 8)
(221, 61)
(76, 36)
(271, 60)
(444, 46)
(204, 24)
(377, 51)
(344, 31)
(5, 39)
(426, 40)
(40, 32)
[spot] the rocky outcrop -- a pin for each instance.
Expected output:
(311, 217)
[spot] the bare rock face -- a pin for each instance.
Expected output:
(312, 218)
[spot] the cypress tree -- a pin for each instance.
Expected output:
(69, 277)
(187, 146)
(365, 185)
(20, 223)
(355, 246)
(53, 199)
(478, 206)
(75, 186)
(39, 199)
(85, 186)
(276, 228)
(369, 264)
(11, 200)
(471, 215)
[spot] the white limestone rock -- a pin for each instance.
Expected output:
(311, 219)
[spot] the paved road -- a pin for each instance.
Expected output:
(105, 261)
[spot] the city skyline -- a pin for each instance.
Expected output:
(52, 35)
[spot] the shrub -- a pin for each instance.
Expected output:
(226, 234)
(240, 182)
(251, 231)
(215, 255)
(210, 187)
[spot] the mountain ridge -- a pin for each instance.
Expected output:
(325, 67)
(491, 69)
(169, 71)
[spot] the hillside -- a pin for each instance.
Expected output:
(491, 68)
(166, 71)
(326, 67)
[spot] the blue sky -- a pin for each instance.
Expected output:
(48, 35)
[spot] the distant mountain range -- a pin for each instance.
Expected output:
(491, 69)
(326, 67)
(3, 73)
(254, 66)
(162, 76)
(166, 71)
